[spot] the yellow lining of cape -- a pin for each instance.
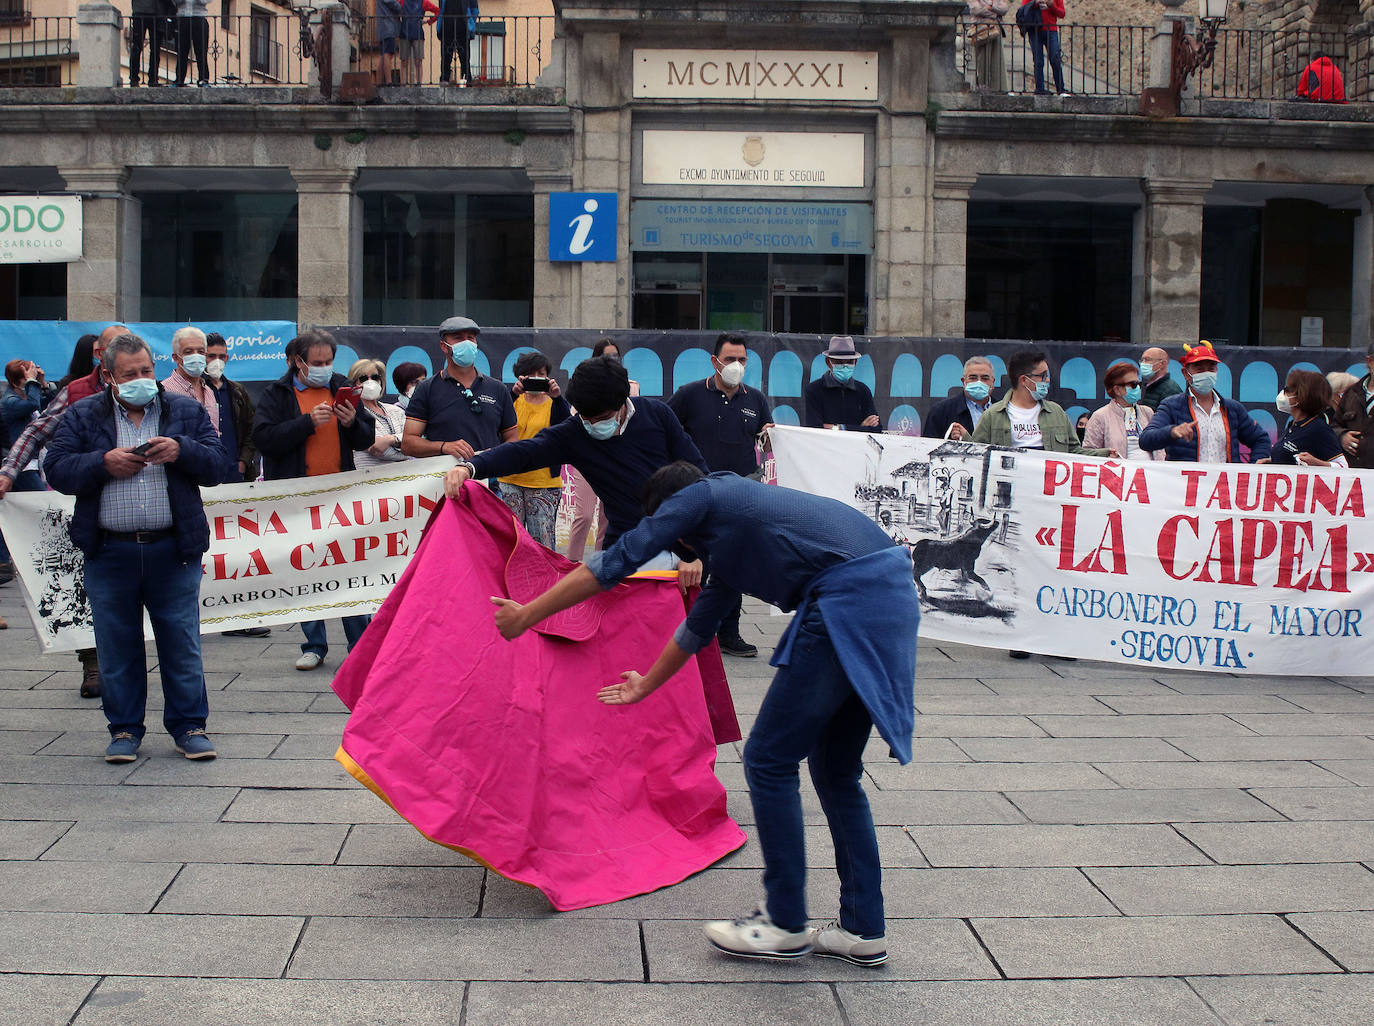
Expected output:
(360, 775)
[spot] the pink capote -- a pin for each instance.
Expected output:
(500, 749)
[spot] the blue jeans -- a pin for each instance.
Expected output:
(316, 638)
(122, 580)
(1041, 41)
(812, 712)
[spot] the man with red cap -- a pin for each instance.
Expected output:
(1201, 425)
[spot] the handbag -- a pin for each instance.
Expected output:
(983, 31)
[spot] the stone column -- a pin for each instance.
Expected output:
(1362, 277)
(1172, 281)
(328, 261)
(949, 254)
(552, 281)
(101, 45)
(900, 298)
(603, 163)
(104, 285)
(901, 192)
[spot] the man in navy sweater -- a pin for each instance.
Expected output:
(615, 442)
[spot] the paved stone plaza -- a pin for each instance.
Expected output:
(1076, 844)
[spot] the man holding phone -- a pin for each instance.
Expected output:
(136, 458)
(304, 426)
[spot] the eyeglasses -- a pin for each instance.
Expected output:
(1042, 376)
(369, 377)
(1129, 384)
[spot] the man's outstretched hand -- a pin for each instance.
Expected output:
(631, 689)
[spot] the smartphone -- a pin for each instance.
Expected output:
(350, 394)
(142, 450)
(536, 384)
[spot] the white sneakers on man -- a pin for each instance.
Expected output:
(309, 661)
(834, 941)
(755, 936)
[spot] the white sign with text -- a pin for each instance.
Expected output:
(755, 75)
(40, 229)
(772, 159)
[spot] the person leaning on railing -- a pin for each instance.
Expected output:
(985, 36)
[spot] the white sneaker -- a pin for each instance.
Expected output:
(309, 661)
(834, 941)
(755, 936)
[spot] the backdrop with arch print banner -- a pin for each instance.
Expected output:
(907, 375)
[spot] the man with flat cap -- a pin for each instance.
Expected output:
(459, 411)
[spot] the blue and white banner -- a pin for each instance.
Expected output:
(256, 348)
(1178, 566)
(750, 226)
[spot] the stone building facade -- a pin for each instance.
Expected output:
(900, 202)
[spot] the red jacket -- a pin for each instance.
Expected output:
(81, 388)
(1049, 14)
(1321, 81)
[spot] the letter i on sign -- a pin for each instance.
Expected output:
(582, 228)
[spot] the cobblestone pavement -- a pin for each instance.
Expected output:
(1075, 844)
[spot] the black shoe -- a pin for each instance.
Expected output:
(1016, 653)
(249, 632)
(738, 647)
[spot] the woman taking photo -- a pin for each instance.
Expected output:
(368, 375)
(1118, 424)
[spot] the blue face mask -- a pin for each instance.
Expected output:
(193, 364)
(464, 353)
(977, 390)
(843, 372)
(139, 392)
(1204, 382)
(602, 429)
(1039, 389)
(1133, 394)
(318, 377)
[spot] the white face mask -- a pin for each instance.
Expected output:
(1282, 403)
(215, 368)
(732, 374)
(372, 390)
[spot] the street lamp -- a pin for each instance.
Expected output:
(1196, 52)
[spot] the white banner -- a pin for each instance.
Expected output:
(280, 551)
(40, 229)
(1221, 567)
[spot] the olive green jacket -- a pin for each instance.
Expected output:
(1058, 435)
